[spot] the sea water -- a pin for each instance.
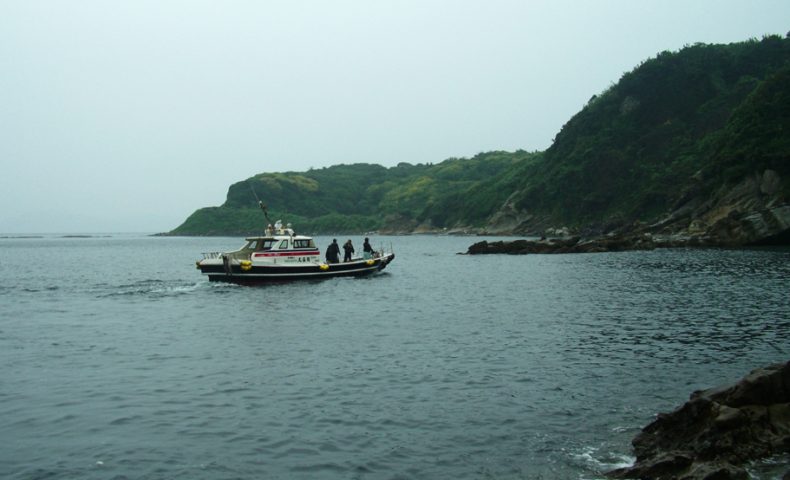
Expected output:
(118, 360)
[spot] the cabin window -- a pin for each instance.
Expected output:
(283, 245)
(304, 243)
(260, 244)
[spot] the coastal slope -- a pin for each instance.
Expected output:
(693, 145)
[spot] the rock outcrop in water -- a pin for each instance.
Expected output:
(717, 431)
(565, 245)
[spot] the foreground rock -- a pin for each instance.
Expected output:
(717, 431)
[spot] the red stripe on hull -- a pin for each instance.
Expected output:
(287, 254)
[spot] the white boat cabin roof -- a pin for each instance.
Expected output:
(281, 239)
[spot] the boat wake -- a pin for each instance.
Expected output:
(154, 288)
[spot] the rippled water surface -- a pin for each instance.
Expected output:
(118, 360)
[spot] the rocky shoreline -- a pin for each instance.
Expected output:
(752, 212)
(607, 243)
(769, 226)
(718, 431)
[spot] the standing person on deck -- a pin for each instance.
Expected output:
(333, 252)
(348, 248)
(367, 250)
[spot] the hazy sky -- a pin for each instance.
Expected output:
(126, 116)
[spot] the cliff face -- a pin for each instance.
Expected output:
(755, 211)
(752, 212)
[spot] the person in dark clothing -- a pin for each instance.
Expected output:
(333, 252)
(348, 248)
(367, 250)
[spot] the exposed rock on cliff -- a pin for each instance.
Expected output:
(717, 431)
(753, 212)
(508, 219)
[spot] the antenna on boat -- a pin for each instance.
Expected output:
(260, 203)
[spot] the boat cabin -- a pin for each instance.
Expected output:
(279, 246)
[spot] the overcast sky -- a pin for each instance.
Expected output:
(126, 116)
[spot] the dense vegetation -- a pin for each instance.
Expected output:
(721, 110)
(360, 197)
(712, 112)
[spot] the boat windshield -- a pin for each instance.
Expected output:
(259, 244)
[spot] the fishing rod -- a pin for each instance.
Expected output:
(260, 203)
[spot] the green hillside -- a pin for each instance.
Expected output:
(356, 198)
(633, 149)
(682, 125)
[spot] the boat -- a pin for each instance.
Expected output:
(280, 255)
